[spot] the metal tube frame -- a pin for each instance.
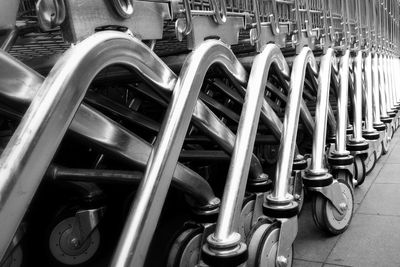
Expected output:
(146, 208)
(318, 174)
(357, 102)
(226, 239)
(30, 150)
(100, 130)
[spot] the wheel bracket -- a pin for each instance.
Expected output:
(86, 221)
(287, 235)
(334, 194)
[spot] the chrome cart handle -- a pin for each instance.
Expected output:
(51, 13)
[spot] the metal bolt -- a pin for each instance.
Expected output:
(263, 176)
(343, 206)
(75, 242)
(282, 261)
(297, 196)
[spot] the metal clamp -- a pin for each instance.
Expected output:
(50, 13)
(274, 18)
(124, 8)
(184, 26)
(255, 35)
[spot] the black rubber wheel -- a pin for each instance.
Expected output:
(359, 171)
(186, 249)
(327, 218)
(370, 162)
(262, 246)
(60, 251)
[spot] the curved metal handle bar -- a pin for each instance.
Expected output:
(376, 91)
(208, 122)
(225, 231)
(392, 84)
(369, 120)
(324, 78)
(30, 150)
(331, 115)
(331, 119)
(342, 99)
(305, 114)
(395, 79)
(357, 99)
(290, 124)
(382, 87)
(386, 83)
(389, 85)
(268, 115)
(97, 128)
(146, 208)
(21, 86)
(392, 81)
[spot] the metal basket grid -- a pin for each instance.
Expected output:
(35, 45)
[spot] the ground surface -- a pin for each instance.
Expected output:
(373, 238)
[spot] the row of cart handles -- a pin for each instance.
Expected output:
(52, 13)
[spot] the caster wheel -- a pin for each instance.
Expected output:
(370, 162)
(379, 151)
(186, 250)
(246, 219)
(14, 259)
(68, 251)
(359, 171)
(385, 144)
(263, 244)
(327, 218)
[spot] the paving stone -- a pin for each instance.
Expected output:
(360, 191)
(370, 241)
(389, 174)
(373, 239)
(302, 263)
(394, 155)
(382, 199)
(335, 265)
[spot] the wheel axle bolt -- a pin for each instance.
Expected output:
(297, 196)
(343, 206)
(281, 261)
(75, 242)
